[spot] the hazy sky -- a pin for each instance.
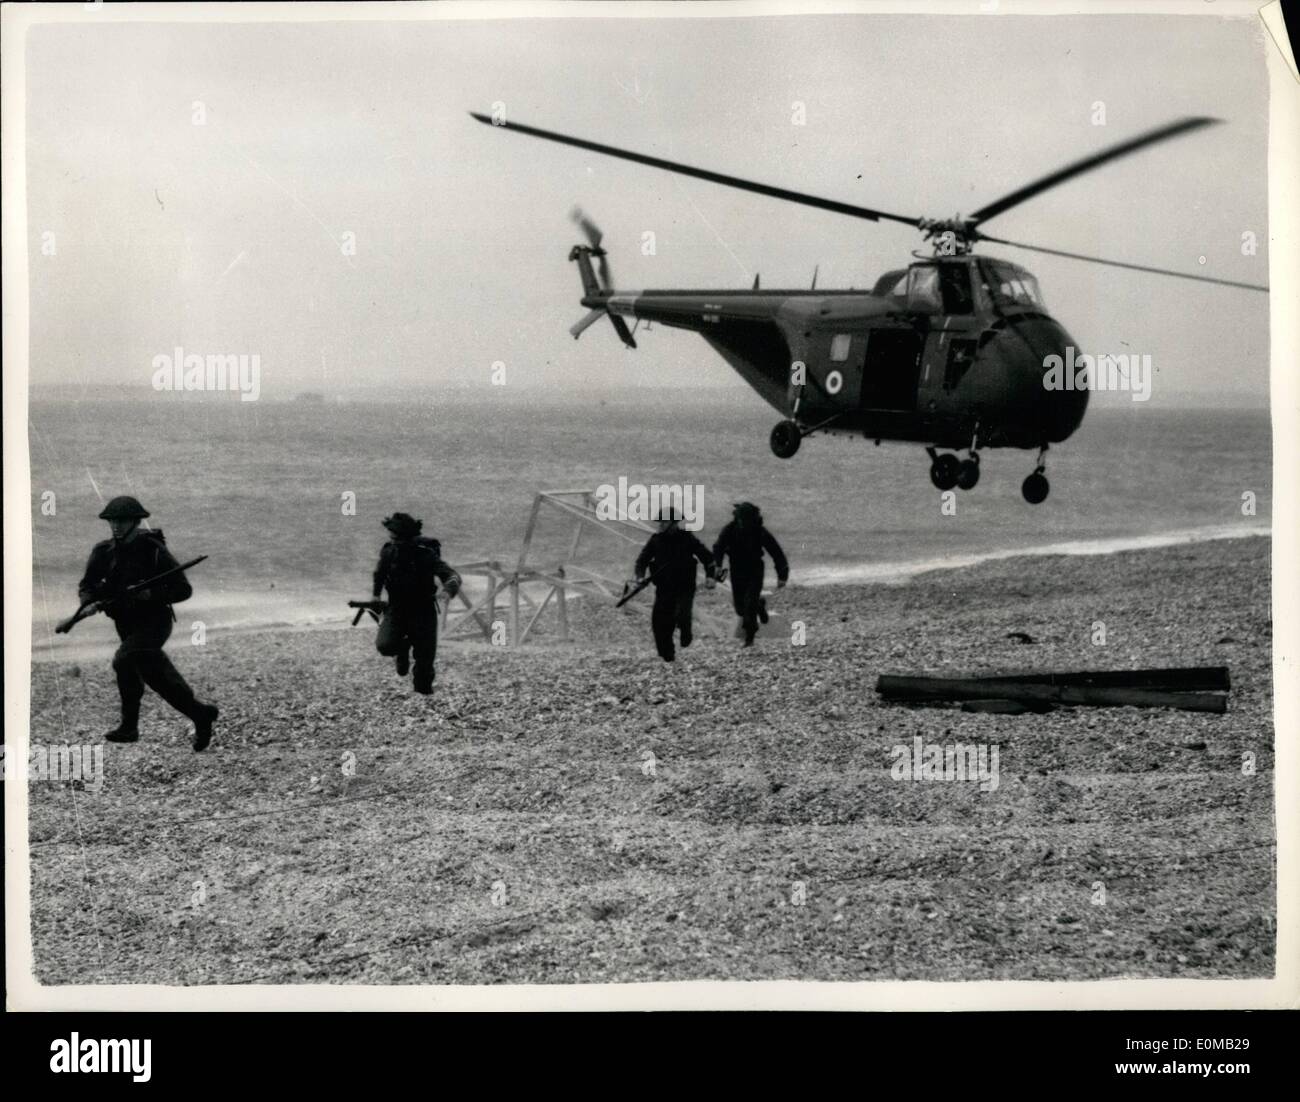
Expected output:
(226, 237)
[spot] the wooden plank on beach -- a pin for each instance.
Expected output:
(900, 688)
(1212, 679)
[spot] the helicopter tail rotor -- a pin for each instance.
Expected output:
(594, 236)
(597, 283)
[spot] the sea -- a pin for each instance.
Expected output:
(286, 497)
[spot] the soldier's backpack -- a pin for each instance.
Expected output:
(412, 566)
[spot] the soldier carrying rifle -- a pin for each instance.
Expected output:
(670, 556)
(410, 568)
(142, 615)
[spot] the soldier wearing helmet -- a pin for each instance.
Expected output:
(670, 556)
(143, 619)
(744, 539)
(410, 568)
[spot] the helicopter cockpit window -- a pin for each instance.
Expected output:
(1008, 286)
(893, 284)
(840, 347)
(923, 289)
(954, 283)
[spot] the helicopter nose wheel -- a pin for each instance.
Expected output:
(968, 472)
(945, 471)
(1035, 487)
(785, 439)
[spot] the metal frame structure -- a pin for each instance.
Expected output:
(529, 590)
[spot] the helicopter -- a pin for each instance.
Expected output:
(949, 352)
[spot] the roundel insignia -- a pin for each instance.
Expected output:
(834, 382)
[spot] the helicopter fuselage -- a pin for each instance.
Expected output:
(940, 353)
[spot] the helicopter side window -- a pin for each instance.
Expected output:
(840, 347)
(961, 355)
(923, 289)
(954, 283)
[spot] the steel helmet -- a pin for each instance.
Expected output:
(403, 524)
(123, 508)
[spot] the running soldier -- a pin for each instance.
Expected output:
(410, 568)
(745, 539)
(143, 619)
(670, 556)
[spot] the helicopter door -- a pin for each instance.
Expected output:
(891, 369)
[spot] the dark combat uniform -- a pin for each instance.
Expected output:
(410, 568)
(745, 539)
(143, 620)
(670, 556)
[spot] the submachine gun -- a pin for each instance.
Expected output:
(376, 608)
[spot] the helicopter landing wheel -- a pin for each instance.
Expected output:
(785, 439)
(968, 472)
(944, 471)
(1035, 487)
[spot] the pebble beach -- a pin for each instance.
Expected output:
(572, 812)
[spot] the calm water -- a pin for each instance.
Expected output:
(259, 486)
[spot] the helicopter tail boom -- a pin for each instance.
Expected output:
(591, 287)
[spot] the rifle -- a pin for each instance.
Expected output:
(97, 604)
(376, 608)
(631, 591)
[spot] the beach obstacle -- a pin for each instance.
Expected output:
(1193, 689)
(509, 599)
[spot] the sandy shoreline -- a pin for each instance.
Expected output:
(582, 812)
(102, 641)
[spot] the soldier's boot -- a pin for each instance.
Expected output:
(166, 680)
(685, 627)
(662, 623)
(130, 689)
(205, 715)
(402, 663)
(424, 649)
(129, 729)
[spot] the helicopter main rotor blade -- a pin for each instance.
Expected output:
(704, 174)
(1077, 168)
(1122, 264)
